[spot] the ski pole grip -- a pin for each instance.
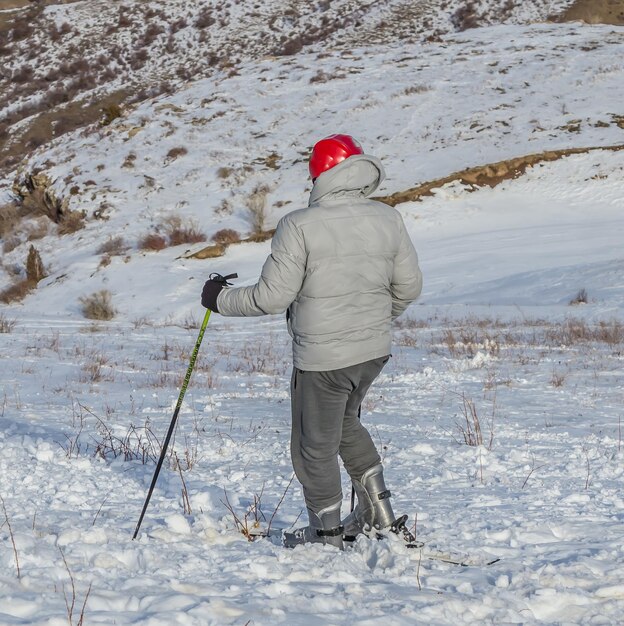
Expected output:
(223, 279)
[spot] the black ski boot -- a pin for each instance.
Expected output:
(324, 527)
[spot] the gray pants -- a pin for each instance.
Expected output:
(325, 423)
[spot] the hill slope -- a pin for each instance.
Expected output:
(203, 154)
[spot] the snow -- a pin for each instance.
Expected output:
(84, 405)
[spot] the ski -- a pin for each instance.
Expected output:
(442, 557)
(460, 561)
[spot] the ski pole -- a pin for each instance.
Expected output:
(174, 419)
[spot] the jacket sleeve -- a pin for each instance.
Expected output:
(406, 282)
(280, 280)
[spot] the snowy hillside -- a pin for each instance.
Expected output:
(62, 64)
(426, 110)
(519, 332)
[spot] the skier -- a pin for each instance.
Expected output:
(343, 268)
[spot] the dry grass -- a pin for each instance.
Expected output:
(72, 221)
(575, 332)
(17, 292)
(114, 246)
(10, 217)
(224, 172)
(98, 306)
(226, 236)
(6, 325)
(12, 536)
(153, 241)
(180, 233)
(110, 112)
(557, 379)
(470, 427)
(467, 341)
(174, 153)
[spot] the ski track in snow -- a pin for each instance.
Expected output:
(493, 327)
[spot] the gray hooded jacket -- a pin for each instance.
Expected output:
(343, 268)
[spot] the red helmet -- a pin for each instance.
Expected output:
(331, 151)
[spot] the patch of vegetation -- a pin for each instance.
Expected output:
(152, 241)
(98, 306)
(35, 270)
(110, 113)
(6, 325)
(114, 246)
(226, 236)
(580, 298)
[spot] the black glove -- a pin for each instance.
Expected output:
(212, 289)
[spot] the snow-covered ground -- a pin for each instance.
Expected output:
(493, 332)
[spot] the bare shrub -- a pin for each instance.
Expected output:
(139, 58)
(153, 241)
(8, 523)
(465, 17)
(290, 47)
(110, 113)
(204, 18)
(22, 28)
(180, 233)
(16, 292)
(174, 153)
(408, 91)
(470, 429)
(92, 368)
(611, 333)
(70, 602)
(225, 172)
(226, 236)
(249, 522)
(72, 221)
(580, 298)
(256, 205)
(24, 74)
(557, 379)
(34, 266)
(178, 24)
(129, 160)
(98, 305)
(6, 325)
(151, 33)
(114, 246)
(10, 217)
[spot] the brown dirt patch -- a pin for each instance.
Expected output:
(488, 175)
(596, 12)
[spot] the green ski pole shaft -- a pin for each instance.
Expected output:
(163, 452)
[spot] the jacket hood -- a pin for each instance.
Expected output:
(359, 175)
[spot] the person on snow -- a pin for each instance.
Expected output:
(342, 268)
